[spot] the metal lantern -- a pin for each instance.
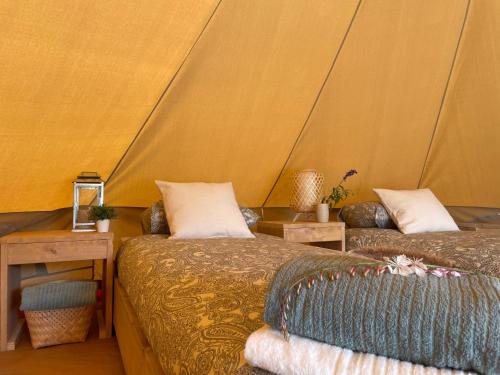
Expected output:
(87, 181)
(306, 191)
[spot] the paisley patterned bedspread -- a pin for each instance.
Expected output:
(470, 250)
(199, 300)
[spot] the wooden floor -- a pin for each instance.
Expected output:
(93, 357)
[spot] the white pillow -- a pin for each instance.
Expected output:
(202, 210)
(416, 211)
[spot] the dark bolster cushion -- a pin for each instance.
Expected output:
(366, 215)
(154, 220)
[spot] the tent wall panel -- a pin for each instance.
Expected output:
(464, 161)
(16, 221)
(379, 107)
(240, 100)
(77, 80)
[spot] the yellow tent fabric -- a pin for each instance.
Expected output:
(240, 99)
(245, 90)
(464, 161)
(77, 80)
(379, 107)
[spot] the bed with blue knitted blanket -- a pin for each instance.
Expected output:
(445, 322)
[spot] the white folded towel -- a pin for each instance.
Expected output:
(266, 348)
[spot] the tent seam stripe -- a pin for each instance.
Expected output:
(314, 104)
(162, 95)
(443, 98)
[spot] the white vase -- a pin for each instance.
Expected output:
(323, 212)
(102, 225)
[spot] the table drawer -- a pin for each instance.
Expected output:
(43, 252)
(317, 234)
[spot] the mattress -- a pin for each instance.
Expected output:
(468, 250)
(198, 300)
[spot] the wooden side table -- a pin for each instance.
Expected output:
(305, 231)
(479, 227)
(44, 247)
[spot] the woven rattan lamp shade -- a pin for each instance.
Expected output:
(306, 190)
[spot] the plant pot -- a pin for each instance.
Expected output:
(102, 225)
(323, 212)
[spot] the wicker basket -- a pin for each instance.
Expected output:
(60, 326)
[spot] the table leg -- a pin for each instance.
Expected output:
(107, 286)
(3, 301)
(9, 302)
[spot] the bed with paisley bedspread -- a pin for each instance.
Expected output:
(469, 250)
(197, 301)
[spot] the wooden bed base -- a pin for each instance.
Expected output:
(137, 356)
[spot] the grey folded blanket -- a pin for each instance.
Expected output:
(58, 295)
(451, 322)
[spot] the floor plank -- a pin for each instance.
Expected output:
(93, 357)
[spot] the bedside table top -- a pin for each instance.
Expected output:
(54, 236)
(305, 231)
(299, 224)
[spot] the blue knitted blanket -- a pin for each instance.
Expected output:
(449, 321)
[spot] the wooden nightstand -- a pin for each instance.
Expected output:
(479, 227)
(305, 231)
(44, 247)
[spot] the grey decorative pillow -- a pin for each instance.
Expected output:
(366, 215)
(146, 220)
(154, 219)
(251, 217)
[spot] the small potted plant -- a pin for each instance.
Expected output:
(101, 215)
(339, 193)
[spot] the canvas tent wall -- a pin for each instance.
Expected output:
(248, 91)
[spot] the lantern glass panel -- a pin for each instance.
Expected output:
(86, 182)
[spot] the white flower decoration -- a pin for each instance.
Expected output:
(418, 267)
(399, 265)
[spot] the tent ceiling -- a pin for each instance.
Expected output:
(464, 161)
(78, 80)
(239, 101)
(379, 107)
